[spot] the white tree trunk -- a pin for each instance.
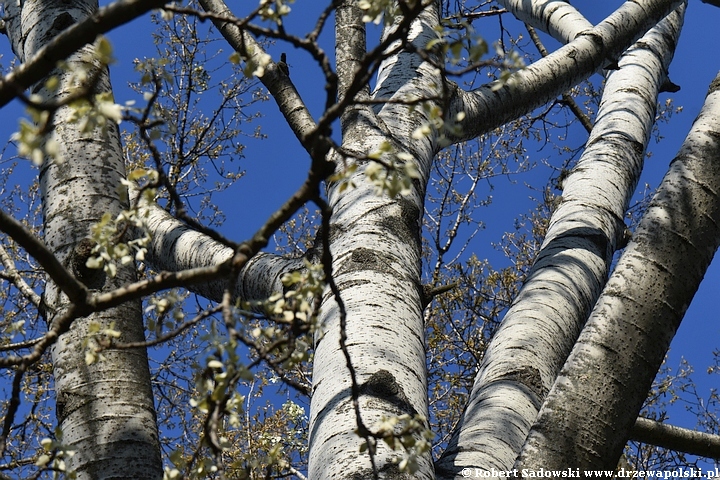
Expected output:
(375, 243)
(595, 400)
(105, 409)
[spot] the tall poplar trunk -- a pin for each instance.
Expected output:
(105, 409)
(375, 243)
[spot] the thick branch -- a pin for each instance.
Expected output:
(175, 247)
(676, 438)
(488, 107)
(70, 40)
(278, 84)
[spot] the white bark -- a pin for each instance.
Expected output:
(350, 52)
(593, 404)
(376, 250)
(105, 409)
(557, 18)
(175, 247)
(545, 319)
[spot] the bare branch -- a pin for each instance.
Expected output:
(75, 290)
(171, 334)
(566, 98)
(676, 438)
(12, 274)
(280, 87)
(12, 408)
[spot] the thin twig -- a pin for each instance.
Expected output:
(566, 98)
(12, 274)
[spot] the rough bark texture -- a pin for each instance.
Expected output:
(557, 18)
(375, 242)
(174, 247)
(105, 409)
(593, 404)
(571, 267)
(350, 52)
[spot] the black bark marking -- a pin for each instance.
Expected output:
(92, 278)
(68, 402)
(714, 85)
(61, 22)
(407, 224)
(382, 385)
(624, 238)
(594, 37)
(364, 256)
(530, 378)
(335, 232)
(366, 259)
(60, 405)
(389, 471)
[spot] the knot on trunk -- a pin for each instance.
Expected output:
(92, 278)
